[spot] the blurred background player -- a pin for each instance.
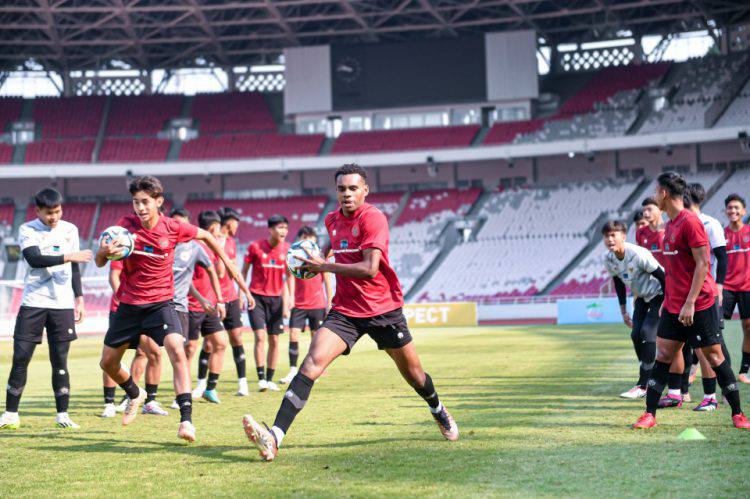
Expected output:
(267, 258)
(52, 300)
(310, 299)
(639, 220)
(651, 236)
(635, 267)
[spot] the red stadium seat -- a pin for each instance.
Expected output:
(232, 112)
(79, 214)
(238, 146)
(405, 139)
(60, 151)
(69, 116)
(6, 153)
(142, 115)
(130, 149)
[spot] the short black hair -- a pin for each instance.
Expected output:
(637, 216)
(48, 198)
(306, 231)
(674, 183)
(226, 214)
(649, 201)
(734, 197)
(179, 212)
(697, 193)
(686, 200)
(350, 169)
(207, 218)
(614, 226)
(148, 184)
(275, 220)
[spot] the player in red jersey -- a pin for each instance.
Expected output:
(651, 236)
(146, 306)
(267, 257)
(368, 300)
(639, 220)
(310, 299)
(688, 313)
(737, 284)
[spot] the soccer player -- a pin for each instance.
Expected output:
(635, 267)
(368, 300)
(688, 313)
(639, 220)
(651, 236)
(146, 295)
(52, 299)
(267, 257)
(737, 284)
(310, 299)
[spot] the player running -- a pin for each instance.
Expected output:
(52, 299)
(146, 295)
(637, 268)
(737, 284)
(310, 299)
(368, 300)
(267, 258)
(688, 313)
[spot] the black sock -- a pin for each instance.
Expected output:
(293, 353)
(674, 381)
(428, 392)
(151, 392)
(269, 373)
(709, 386)
(745, 365)
(728, 384)
(203, 364)
(60, 375)
(685, 380)
(213, 379)
(185, 401)
(294, 400)
(659, 375)
(648, 354)
(261, 372)
(239, 360)
(109, 395)
(131, 389)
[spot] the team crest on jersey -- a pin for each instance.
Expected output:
(163, 243)
(148, 249)
(672, 238)
(273, 262)
(334, 232)
(184, 256)
(666, 247)
(654, 247)
(746, 239)
(355, 231)
(344, 244)
(56, 248)
(265, 256)
(625, 275)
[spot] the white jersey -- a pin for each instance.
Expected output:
(49, 287)
(635, 271)
(716, 237)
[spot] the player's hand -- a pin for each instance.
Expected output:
(83, 256)
(221, 308)
(720, 296)
(686, 314)
(627, 320)
(208, 307)
(250, 301)
(313, 263)
(110, 248)
(80, 310)
(285, 313)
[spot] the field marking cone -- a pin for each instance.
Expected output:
(691, 434)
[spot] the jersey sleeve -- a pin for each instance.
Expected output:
(646, 260)
(250, 253)
(27, 237)
(716, 236)
(695, 233)
(75, 244)
(115, 264)
(607, 266)
(202, 258)
(186, 232)
(374, 231)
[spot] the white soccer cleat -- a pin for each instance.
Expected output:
(186, 431)
(109, 411)
(262, 385)
(121, 406)
(242, 388)
(64, 421)
(289, 377)
(10, 421)
(634, 393)
(272, 387)
(131, 409)
(175, 405)
(199, 389)
(154, 408)
(261, 437)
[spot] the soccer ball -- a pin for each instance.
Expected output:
(294, 264)
(122, 236)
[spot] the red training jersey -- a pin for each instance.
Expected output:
(148, 269)
(228, 291)
(738, 259)
(269, 267)
(202, 282)
(652, 241)
(309, 294)
(680, 236)
(350, 236)
(114, 302)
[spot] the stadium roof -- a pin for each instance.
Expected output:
(147, 34)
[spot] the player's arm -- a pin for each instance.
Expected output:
(659, 275)
(114, 279)
(214, 246)
(213, 276)
(700, 255)
(79, 307)
(207, 305)
(329, 289)
(35, 259)
(107, 249)
(291, 284)
(366, 269)
(622, 298)
(722, 265)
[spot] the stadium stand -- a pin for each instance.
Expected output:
(405, 139)
(54, 116)
(739, 182)
(387, 202)
(7, 212)
(10, 111)
(239, 146)
(505, 132)
(6, 153)
(738, 112)
(232, 112)
(132, 149)
(60, 151)
(142, 115)
(79, 214)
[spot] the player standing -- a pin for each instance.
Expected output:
(52, 300)
(737, 284)
(267, 258)
(310, 299)
(368, 300)
(688, 313)
(639, 220)
(651, 236)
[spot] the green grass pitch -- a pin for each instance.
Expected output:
(537, 408)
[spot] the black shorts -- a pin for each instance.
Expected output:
(389, 330)
(203, 324)
(233, 320)
(739, 299)
(310, 316)
(704, 331)
(267, 314)
(184, 322)
(155, 320)
(646, 318)
(32, 321)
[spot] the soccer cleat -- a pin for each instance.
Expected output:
(261, 437)
(670, 401)
(448, 427)
(154, 408)
(199, 389)
(109, 411)
(272, 387)
(686, 397)
(175, 405)
(242, 389)
(289, 377)
(211, 396)
(64, 421)
(10, 421)
(740, 421)
(122, 405)
(708, 404)
(744, 378)
(131, 409)
(186, 431)
(647, 420)
(262, 385)
(634, 393)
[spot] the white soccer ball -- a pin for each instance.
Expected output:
(123, 237)
(294, 264)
